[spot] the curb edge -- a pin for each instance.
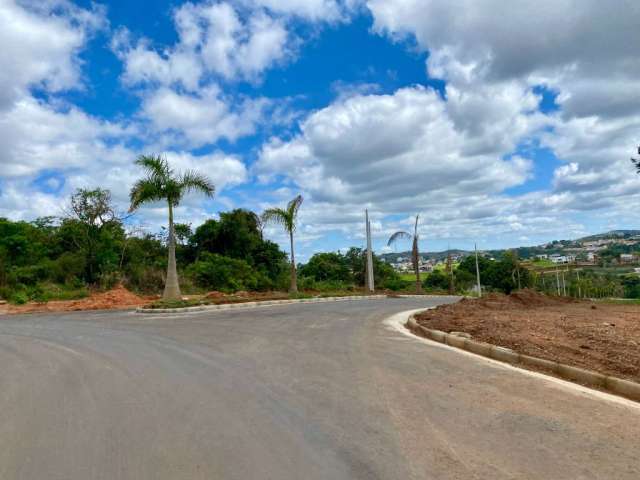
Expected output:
(590, 378)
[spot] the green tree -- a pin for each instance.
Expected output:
(332, 266)
(237, 234)
(383, 272)
(163, 184)
(94, 231)
(415, 254)
(287, 217)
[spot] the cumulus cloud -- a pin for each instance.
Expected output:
(408, 152)
(214, 38)
(202, 118)
(584, 53)
(40, 46)
(49, 147)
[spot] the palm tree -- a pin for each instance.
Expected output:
(163, 184)
(286, 217)
(415, 255)
(636, 161)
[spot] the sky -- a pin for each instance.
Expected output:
(501, 123)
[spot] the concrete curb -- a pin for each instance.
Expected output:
(588, 378)
(225, 306)
(231, 306)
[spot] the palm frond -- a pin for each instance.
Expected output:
(195, 181)
(155, 166)
(294, 205)
(397, 236)
(277, 216)
(144, 191)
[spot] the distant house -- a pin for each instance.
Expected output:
(627, 258)
(556, 258)
(542, 256)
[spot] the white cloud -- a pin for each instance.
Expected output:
(40, 44)
(352, 152)
(214, 38)
(202, 118)
(585, 52)
(313, 10)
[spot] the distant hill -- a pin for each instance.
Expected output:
(611, 234)
(393, 257)
(523, 252)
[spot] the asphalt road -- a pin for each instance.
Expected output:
(308, 391)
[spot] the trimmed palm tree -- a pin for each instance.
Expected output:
(161, 183)
(636, 161)
(286, 217)
(415, 254)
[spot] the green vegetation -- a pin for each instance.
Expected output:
(62, 258)
(336, 271)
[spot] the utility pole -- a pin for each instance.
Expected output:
(475, 246)
(450, 269)
(369, 281)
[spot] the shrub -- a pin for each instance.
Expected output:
(436, 280)
(19, 297)
(396, 284)
(216, 272)
(68, 267)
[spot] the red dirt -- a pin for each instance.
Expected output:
(595, 336)
(117, 298)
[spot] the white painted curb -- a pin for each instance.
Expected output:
(230, 306)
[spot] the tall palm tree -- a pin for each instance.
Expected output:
(636, 161)
(163, 184)
(286, 217)
(415, 255)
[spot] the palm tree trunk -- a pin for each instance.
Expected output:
(416, 265)
(294, 283)
(171, 286)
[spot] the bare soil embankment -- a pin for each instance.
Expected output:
(594, 336)
(116, 298)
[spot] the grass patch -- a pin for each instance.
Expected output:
(619, 301)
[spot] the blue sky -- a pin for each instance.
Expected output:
(402, 107)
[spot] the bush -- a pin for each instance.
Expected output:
(68, 267)
(19, 298)
(29, 275)
(396, 284)
(108, 280)
(436, 280)
(216, 272)
(144, 279)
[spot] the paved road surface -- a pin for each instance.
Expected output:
(308, 391)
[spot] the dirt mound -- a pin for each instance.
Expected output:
(602, 337)
(118, 297)
(215, 294)
(521, 298)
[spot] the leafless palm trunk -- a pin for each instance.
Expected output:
(171, 286)
(294, 282)
(416, 264)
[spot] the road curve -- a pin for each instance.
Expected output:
(308, 391)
